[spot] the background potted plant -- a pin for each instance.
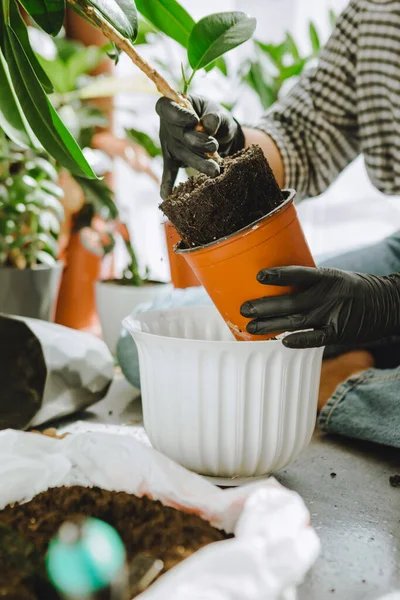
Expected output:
(31, 213)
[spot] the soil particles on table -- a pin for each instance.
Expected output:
(205, 209)
(144, 525)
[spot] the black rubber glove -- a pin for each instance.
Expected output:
(182, 146)
(339, 306)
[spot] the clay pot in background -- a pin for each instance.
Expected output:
(182, 274)
(77, 302)
(228, 268)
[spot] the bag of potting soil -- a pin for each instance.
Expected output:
(48, 371)
(273, 545)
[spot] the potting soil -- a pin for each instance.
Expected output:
(205, 209)
(143, 524)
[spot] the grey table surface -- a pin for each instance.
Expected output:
(356, 512)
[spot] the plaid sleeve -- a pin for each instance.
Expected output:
(315, 125)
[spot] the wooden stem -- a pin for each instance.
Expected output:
(162, 85)
(112, 34)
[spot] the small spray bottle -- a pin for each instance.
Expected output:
(87, 561)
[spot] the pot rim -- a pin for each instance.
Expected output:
(39, 267)
(133, 325)
(289, 200)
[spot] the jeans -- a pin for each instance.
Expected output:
(367, 406)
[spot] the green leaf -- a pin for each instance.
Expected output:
(216, 34)
(44, 258)
(292, 46)
(144, 140)
(314, 38)
(145, 29)
(43, 119)
(19, 28)
(275, 52)
(292, 70)
(169, 17)
(49, 244)
(100, 196)
(12, 121)
(219, 64)
(40, 167)
(64, 74)
(265, 87)
(332, 18)
(49, 222)
(48, 14)
(52, 188)
(121, 14)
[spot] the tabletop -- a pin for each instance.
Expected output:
(345, 484)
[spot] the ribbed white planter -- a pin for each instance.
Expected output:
(220, 407)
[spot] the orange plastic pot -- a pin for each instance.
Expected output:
(76, 306)
(181, 273)
(228, 268)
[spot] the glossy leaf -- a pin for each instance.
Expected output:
(314, 38)
(19, 28)
(219, 64)
(48, 14)
(121, 14)
(11, 117)
(216, 34)
(43, 119)
(169, 17)
(145, 141)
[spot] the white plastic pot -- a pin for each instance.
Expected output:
(114, 302)
(219, 407)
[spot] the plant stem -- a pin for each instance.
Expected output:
(124, 44)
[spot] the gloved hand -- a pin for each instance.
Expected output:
(340, 307)
(182, 146)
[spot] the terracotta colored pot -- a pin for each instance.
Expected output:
(181, 273)
(76, 306)
(227, 268)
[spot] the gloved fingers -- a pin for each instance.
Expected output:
(280, 324)
(309, 339)
(174, 114)
(196, 161)
(200, 142)
(211, 123)
(271, 306)
(170, 172)
(290, 276)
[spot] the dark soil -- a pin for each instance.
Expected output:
(205, 209)
(143, 524)
(395, 480)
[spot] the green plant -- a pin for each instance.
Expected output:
(26, 113)
(275, 64)
(30, 207)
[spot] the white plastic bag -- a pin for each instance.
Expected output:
(273, 547)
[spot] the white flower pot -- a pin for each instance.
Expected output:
(114, 302)
(219, 407)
